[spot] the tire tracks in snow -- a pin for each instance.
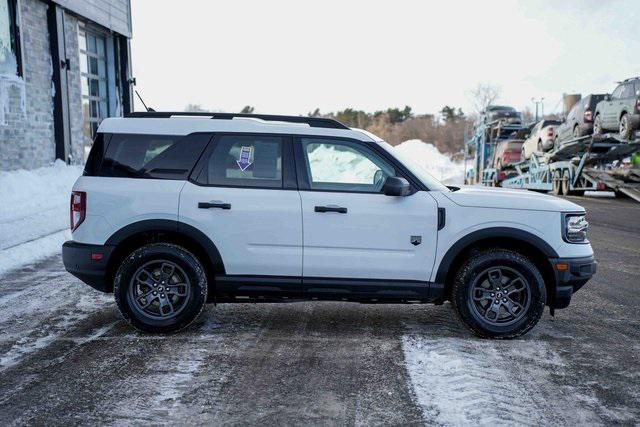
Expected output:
(463, 380)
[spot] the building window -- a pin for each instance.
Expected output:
(93, 70)
(10, 61)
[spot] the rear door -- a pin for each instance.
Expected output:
(243, 196)
(612, 108)
(353, 231)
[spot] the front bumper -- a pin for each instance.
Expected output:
(82, 261)
(571, 274)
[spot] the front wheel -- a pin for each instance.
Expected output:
(498, 293)
(161, 288)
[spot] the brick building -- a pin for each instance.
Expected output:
(64, 66)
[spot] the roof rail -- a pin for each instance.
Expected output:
(316, 122)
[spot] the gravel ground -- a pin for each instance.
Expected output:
(66, 357)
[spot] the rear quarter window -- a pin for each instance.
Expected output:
(152, 156)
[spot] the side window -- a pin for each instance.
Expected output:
(617, 93)
(335, 165)
(245, 161)
(152, 156)
(628, 91)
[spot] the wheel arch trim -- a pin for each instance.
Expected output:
(490, 233)
(160, 225)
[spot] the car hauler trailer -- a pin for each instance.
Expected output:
(579, 165)
(484, 141)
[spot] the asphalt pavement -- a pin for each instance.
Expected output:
(66, 357)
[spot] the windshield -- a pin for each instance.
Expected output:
(419, 171)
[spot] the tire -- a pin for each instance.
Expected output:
(576, 132)
(476, 285)
(160, 288)
(556, 188)
(597, 125)
(625, 130)
(565, 183)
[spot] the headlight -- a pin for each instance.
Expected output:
(574, 228)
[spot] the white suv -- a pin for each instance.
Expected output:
(177, 210)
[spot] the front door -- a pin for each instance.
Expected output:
(240, 200)
(353, 231)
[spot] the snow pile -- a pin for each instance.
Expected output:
(331, 164)
(34, 212)
(437, 164)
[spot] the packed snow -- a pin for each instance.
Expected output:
(462, 381)
(34, 214)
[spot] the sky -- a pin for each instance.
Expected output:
(291, 57)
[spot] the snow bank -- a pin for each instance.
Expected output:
(437, 164)
(34, 212)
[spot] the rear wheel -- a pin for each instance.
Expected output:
(576, 132)
(498, 293)
(160, 287)
(565, 182)
(556, 187)
(597, 125)
(624, 129)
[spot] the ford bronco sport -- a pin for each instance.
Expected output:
(175, 210)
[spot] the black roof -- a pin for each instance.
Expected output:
(317, 122)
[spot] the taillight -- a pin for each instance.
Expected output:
(588, 116)
(550, 132)
(78, 208)
(638, 105)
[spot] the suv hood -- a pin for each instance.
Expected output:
(503, 198)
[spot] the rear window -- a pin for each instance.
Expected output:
(593, 101)
(148, 156)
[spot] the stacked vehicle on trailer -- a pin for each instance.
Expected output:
(583, 153)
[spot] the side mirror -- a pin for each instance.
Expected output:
(396, 186)
(607, 97)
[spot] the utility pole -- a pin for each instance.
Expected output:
(539, 102)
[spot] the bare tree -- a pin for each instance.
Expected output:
(484, 95)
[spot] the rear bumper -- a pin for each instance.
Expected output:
(79, 260)
(571, 279)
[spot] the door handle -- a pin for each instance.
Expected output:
(337, 209)
(214, 205)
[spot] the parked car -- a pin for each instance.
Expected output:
(621, 111)
(579, 121)
(507, 153)
(540, 138)
(500, 112)
(172, 213)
